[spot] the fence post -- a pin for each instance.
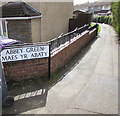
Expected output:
(97, 29)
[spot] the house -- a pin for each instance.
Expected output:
(19, 20)
(51, 19)
(55, 18)
(97, 8)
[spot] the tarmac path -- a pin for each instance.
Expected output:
(91, 87)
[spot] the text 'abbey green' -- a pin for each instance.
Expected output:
(25, 53)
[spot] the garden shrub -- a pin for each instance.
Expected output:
(102, 19)
(115, 7)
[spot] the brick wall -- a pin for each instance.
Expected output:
(37, 68)
(20, 30)
(63, 57)
(22, 70)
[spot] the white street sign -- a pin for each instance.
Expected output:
(25, 53)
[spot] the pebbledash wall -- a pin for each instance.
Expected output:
(37, 68)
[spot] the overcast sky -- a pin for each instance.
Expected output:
(82, 1)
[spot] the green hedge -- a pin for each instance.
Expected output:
(103, 19)
(115, 7)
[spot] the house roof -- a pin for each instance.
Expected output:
(80, 11)
(92, 4)
(18, 9)
(102, 11)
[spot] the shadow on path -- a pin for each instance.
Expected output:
(28, 100)
(76, 59)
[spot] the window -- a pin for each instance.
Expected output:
(3, 29)
(106, 8)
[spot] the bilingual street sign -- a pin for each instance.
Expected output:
(25, 53)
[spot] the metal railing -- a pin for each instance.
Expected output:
(55, 43)
(61, 40)
(93, 27)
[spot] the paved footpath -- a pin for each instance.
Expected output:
(92, 86)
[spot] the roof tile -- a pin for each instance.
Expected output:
(18, 9)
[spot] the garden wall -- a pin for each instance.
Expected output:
(36, 68)
(79, 21)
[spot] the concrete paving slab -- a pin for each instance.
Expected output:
(106, 69)
(99, 95)
(37, 111)
(60, 100)
(76, 110)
